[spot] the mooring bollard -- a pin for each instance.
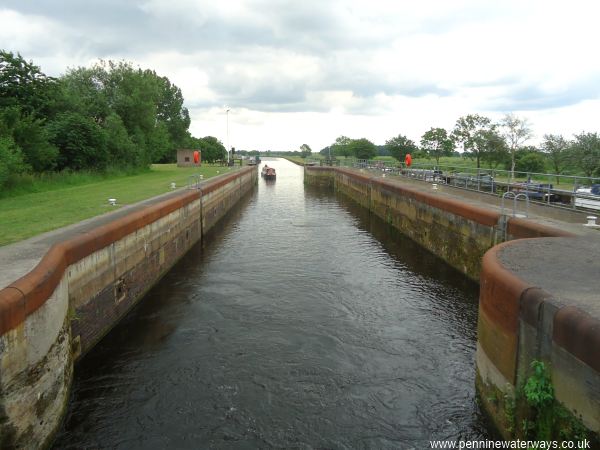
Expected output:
(591, 222)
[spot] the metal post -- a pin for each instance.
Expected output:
(227, 112)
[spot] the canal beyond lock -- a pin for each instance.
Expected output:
(301, 322)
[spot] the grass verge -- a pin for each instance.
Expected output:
(68, 200)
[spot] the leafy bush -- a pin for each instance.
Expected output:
(531, 162)
(82, 143)
(11, 160)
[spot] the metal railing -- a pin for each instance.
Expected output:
(194, 181)
(565, 191)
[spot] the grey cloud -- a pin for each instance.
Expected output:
(367, 84)
(127, 27)
(532, 97)
(325, 31)
(274, 93)
(506, 81)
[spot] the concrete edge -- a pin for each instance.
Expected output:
(578, 333)
(26, 294)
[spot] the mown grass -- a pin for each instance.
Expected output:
(58, 201)
(296, 159)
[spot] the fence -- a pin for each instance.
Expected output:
(566, 191)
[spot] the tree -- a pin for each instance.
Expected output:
(31, 136)
(470, 131)
(494, 150)
(11, 159)
(488, 145)
(326, 151)
(363, 148)
(587, 151)
(159, 147)
(399, 146)
(305, 151)
(27, 97)
(81, 142)
(150, 108)
(23, 84)
(557, 148)
(121, 149)
(437, 143)
(531, 162)
(341, 146)
(85, 91)
(516, 132)
(170, 110)
(212, 149)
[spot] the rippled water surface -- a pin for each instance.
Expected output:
(302, 322)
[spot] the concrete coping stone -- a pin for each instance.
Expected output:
(37, 264)
(564, 271)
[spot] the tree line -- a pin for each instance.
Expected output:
(494, 145)
(110, 115)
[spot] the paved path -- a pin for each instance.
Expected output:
(572, 279)
(561, 218)
(21, 257)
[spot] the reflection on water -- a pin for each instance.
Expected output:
(302, 322)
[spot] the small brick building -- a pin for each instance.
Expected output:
(185, 157)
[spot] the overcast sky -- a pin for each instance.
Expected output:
(308, 71)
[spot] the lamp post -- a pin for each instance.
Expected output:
(227, 112)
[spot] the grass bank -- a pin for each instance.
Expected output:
(61, 201)
(295, 159)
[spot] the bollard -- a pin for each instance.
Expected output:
(591, 222)
(112, 201)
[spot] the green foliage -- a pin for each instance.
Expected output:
(159, 145)
(530, 162)
(550, 420)
(472, 132)
(437, 143)
(510, 407)
(51, 196)
(23, 84)
(81, 142)
(11, 160)
(305, 150)
(539, 394)
(399, 146)
(558, 150)
(121, 149)
(362, 148)
(538, 389)
(586, 149)
(516, 132)
(90, 118)
(572, 428)
(31, 135)
(341, 147)
(212, 149)
(27, 97)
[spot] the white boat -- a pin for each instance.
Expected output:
(588, 197)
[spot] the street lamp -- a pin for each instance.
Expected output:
(227, 112)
